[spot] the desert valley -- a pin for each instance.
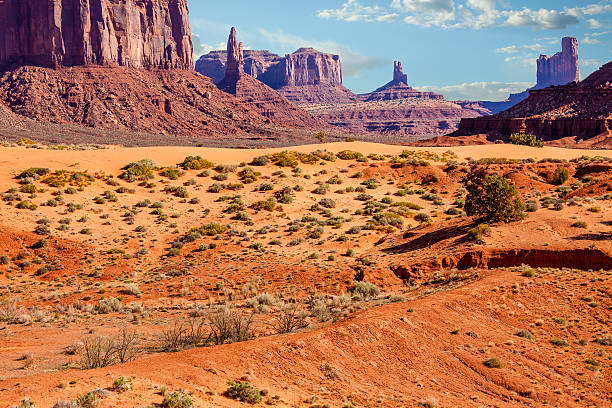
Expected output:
(240, 228)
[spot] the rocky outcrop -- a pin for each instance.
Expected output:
(561, 68)
(305, 77)
(60, 33)
(576, 110)
(398, 88)
(173, 103)
(258, 96)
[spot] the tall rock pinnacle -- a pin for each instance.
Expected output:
(235, 58)
(561, 68)
(398, 73)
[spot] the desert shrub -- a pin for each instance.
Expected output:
(140, 170)
(210, 230)
(266, 187)
(526, 140)
(9, 309)
(177, 399)
(561, 175)
(493, 362)
(34, 173)
(123, 384)
(25, 403)
(321, 189)
(327, 203)
(363, 197)
(289, 319)
(526, 334)
(268, 205)
(349, 155)
(423, 218)
(196, 163)
(531, 206)
(28, 189)
(229, 325)
(559, 342)
(109, 305)
(88, 400)
(248, 175)
(260, 161)
(365, 290)
(476, 234)
(171, 173)
(216, 188)
(242, 391)
(178, 191)
(5, 260)
(493, 198)
(580, 224)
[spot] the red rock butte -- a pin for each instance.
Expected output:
(62, 33)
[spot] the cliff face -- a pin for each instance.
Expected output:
(60, 33)
(306, 76)
(306, 66)
(561, 68)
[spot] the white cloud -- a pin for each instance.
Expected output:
(353, 63)
(479, 91)
(592, 38)
(475, 14)
(539, 19)
(199, 48)
(594, 24)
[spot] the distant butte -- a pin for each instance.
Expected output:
(307, 76)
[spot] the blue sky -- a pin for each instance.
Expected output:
(465, 49)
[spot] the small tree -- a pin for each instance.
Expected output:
(526, 140)
(493, 198)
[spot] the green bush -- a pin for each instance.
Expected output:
(561, 175)
(526, 140)
(196, 163)
(493, 198)
(476, 233)
(88, 400)
(365, 290)
(123, 384)
(243, 391)
(140, 170)
(177, 399)
(171, 173)
(210, 230)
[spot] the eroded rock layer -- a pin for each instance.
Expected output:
(60, 33)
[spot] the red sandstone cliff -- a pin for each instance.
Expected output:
(134, 33)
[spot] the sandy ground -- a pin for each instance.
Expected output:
(448, 311)
(114, 157)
